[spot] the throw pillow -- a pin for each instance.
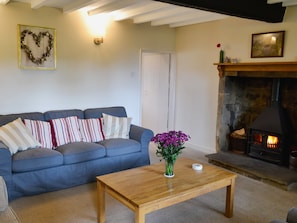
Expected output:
(65, 130)
(91, 129)
(116, 127)
(41, 130)
(16, 136)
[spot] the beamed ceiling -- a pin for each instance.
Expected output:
(172, 12)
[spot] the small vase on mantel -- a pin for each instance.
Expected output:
(221, 56)
(169, 168)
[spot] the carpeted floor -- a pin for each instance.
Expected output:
(254, 202)
(8, 216)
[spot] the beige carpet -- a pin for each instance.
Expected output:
(254, 202)
(8, 216)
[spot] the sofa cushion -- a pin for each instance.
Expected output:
(65, 130)
(97, 112)
(63, 114)
(41, 130)
(91, 129)
(36, 159)
(81, 151)
(117, 147)
(4, 119)
(17, 136)
(116, 127)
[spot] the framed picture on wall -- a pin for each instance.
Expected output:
(269, 44)
(36, 47)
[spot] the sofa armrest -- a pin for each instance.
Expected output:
(6, 166)
(292, 215)
(141, 135)
(5, 160)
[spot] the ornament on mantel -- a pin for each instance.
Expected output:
(221, 60)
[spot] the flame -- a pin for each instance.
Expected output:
(272, 142)
(258, 138)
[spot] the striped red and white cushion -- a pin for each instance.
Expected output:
(91, 129)
(66, 130)
(41, 130)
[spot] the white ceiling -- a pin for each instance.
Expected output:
(140, 11)
(285, 3)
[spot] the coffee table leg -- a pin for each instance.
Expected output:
(101, 202)
(230, 199)
(139, 216)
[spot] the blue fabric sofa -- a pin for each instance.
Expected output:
(40, 170)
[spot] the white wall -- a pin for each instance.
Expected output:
(86, 75)
(197, 83)
(107, 75)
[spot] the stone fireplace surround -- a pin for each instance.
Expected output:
(244, 91)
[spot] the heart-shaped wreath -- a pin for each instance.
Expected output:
(37, 39)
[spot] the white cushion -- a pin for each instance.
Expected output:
(66, 130)
(91, 129)
(116, 127)
(41, 131)
(17, 136)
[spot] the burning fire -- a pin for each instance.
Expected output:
(258, 138)
(272, 142)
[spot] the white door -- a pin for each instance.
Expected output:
(157, 91)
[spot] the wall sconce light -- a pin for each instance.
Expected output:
(98, 40)
(97, 26)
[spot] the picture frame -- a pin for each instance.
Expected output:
(36, 47)
(269, 44)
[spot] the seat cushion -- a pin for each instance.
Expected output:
(118, 146)
(36, 159)
(78, 152)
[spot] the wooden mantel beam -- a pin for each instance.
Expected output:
(258, 69)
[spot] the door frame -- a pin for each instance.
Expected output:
(172, 86)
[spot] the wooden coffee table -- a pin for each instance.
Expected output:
(145, 189)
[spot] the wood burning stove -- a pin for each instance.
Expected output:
(268, 146)
(268, 135)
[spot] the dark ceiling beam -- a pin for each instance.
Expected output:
(250, 9)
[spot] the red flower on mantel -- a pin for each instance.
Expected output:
(221, 60)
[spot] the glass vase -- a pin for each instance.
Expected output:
(169, 168)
